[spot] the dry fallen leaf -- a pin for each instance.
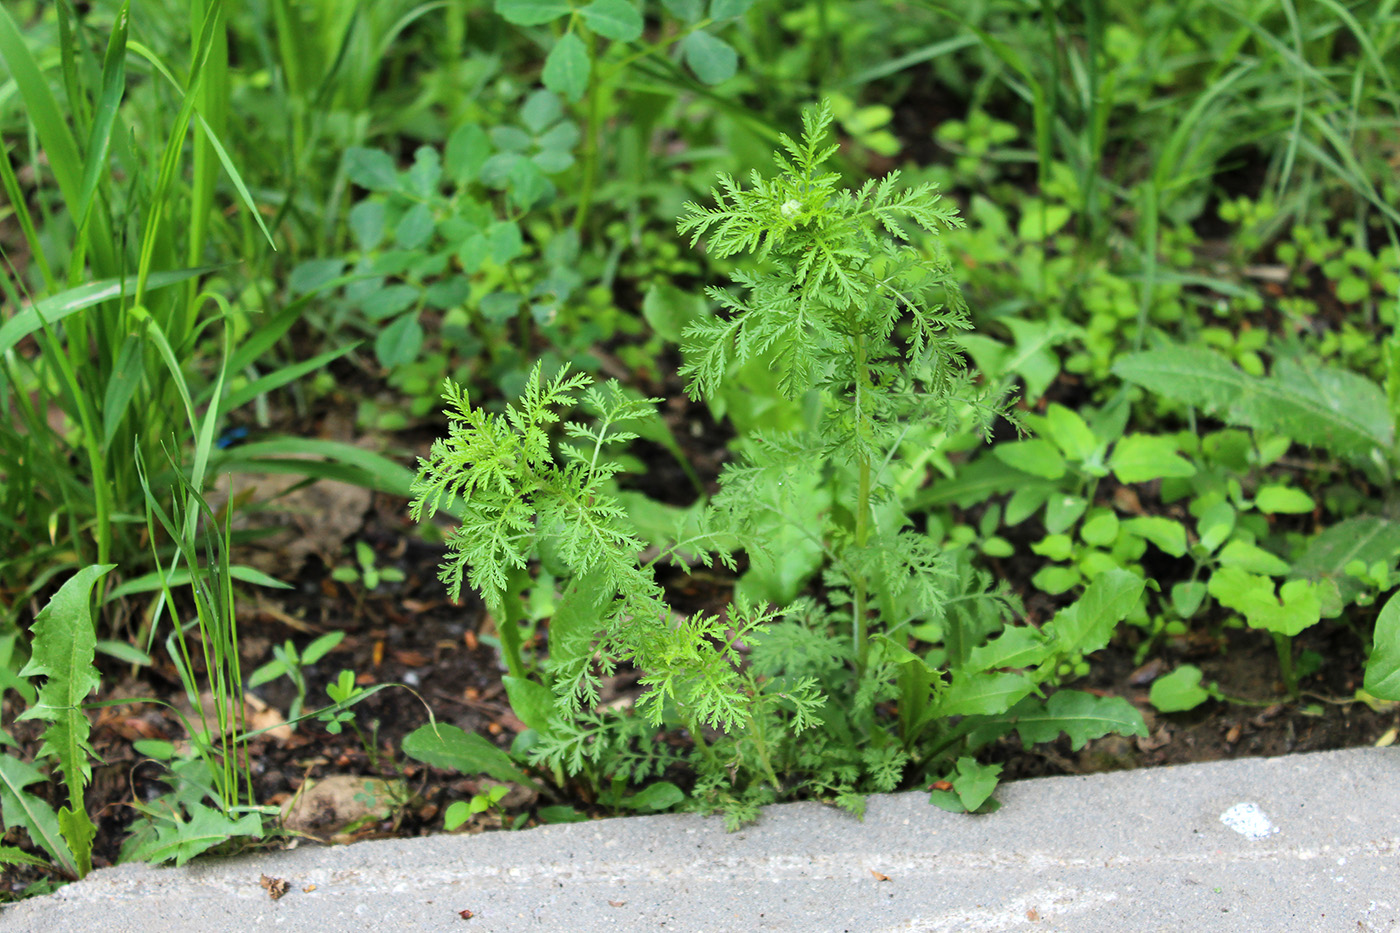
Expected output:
(878, 876)
(275, 887)
(617, 903)
(308, 889)
(1032, 915)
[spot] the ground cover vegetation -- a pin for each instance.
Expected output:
(839, 398)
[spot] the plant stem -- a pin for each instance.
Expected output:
(1284, 646)
(858, 609)
(699, 739)
(761, 746)
(590, 143)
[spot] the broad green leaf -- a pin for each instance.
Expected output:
(1179, 691)
(1252, 558)
(398, 344)
(1187, 597)
(1056, 580)
(566, 68)
(1383, 666)
(1367, 538)
(63, 647)
(975, 482)
(19, 807)
(1315, 405)
(532, 702)
(1026, 500)
(528, 184)
(1070, 433)
(1100, 530)
(1190, 374)
(1168, 534)
(541, 109)
(78, 831)
(1062, 511)
(1017, 646)
(1140, 458)
(1087, 625)
(1036, 456)
(726, 9)
(415, 227)
(532, 12)
(1215, 525)
(983, 694)
(1328, 408)
(372, 169)
(614, 19)
(182, 840)
(1081, 716)
(504, 241)
(367, 224)
(314, 275)
(1296, 606)
(10, 855)
(975, 782)
(468, 148)
(713, 60)
(669, 309)
(1040, 219)
(450, 748)
(660, 795)
(685, 10)
(1283, 499)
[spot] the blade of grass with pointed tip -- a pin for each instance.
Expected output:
(104, 117)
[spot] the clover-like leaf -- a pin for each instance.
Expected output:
(614, 19)
(566, 68)
(713, 60)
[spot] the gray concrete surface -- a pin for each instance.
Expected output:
(1131, 852)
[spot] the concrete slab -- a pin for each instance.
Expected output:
(1130, 852)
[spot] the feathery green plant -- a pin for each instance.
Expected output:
(839, 278)
(846, 307)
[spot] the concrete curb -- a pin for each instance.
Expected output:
(1131, 851)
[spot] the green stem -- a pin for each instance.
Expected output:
(1284, 646)
(509, 614)
(761, 745)
(590, 144)
(859, 622)
(699, 739)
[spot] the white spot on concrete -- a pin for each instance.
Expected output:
(1249, 821)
